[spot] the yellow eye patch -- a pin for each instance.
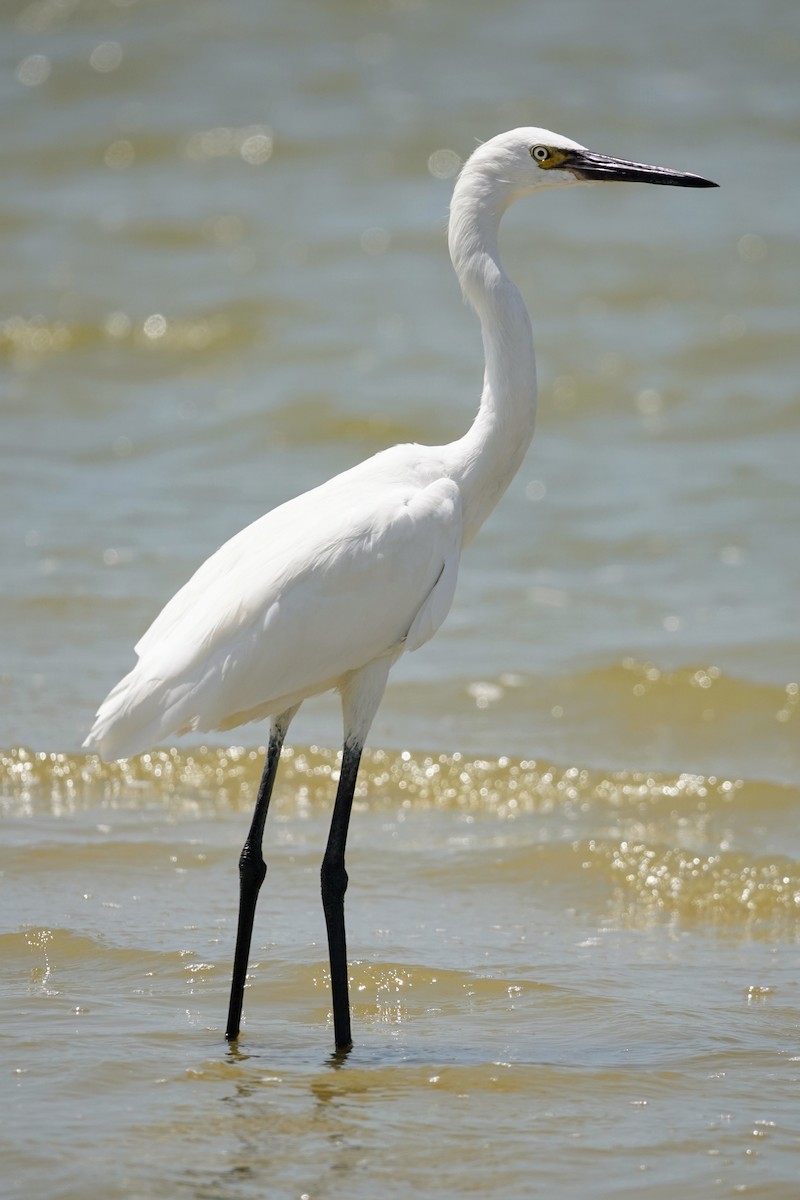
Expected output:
(549, 157)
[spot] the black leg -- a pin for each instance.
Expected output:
(252, 871)
(334, 886)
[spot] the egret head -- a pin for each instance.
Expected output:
(525, 160)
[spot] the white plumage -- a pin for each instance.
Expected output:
(327, 590)
(287, 608)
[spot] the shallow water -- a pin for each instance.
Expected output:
(563, 981)
(575, 863)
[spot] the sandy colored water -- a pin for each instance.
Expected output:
(564, 982)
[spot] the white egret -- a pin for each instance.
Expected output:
(328, 590)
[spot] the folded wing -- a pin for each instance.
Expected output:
(361, 567)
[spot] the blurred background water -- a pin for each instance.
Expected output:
(575, 869)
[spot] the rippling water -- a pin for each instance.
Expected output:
(575, 869)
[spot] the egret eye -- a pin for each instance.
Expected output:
(540, 153)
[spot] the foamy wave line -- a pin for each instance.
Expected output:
(725, 886)
(228, 776)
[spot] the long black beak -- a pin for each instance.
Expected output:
(586, 165)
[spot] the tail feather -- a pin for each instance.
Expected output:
(136, 714)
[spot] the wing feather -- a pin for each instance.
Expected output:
(361, 567)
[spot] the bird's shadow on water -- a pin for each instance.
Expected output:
(276, 1093)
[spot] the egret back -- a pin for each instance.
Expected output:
(361, 567)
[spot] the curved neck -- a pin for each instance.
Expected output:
(486, 459)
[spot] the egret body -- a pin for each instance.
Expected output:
(328, 590)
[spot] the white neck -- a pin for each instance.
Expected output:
(485, 460)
